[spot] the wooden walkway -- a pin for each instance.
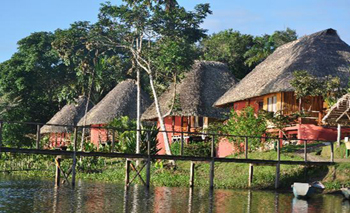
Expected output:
(148, 158)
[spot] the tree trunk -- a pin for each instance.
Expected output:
(160, 117)
(138, 119)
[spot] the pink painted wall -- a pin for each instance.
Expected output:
(169, 127)
(224, 148)
(57, 140)
(98, 135)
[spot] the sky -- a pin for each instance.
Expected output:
(20, 18)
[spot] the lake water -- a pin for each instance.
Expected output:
(28, 195)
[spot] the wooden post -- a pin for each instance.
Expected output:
(148, 168)
(339, 135)
(113, 141)
(332, 152)
(192, 174)
(251, 174)
(246, 147)
(277, 180)
(58, 171)
(1, 124)
(278, 151)
(212, 166)
(127, 172)
(74, 155)
(37, 136)
(182, 144)
(305, 150)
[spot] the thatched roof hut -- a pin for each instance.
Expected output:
(197, 92)
(69, 115)
(321, 54)
(339, 113)
(121, 101)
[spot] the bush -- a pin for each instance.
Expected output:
(198, 149)
(245, 123)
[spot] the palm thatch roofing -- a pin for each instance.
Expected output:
(195, 95)
(320, 54)
(339, 112)
(69, 115)
(120, 101)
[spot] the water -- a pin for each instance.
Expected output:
(29, 195)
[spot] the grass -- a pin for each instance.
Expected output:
(339, 152)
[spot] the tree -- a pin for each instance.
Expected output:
(145, 28)
(229, 47)
(267, 44)
(33, 75)
(306, 84)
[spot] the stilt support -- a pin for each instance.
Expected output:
(58, 171)
(212, 174)
(251, 171)
(127, 172)
(192, 174)
(277, 180)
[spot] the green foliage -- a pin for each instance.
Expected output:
(279, 120)
(328, 87)
(245, 123)
(199, 149)
(267, 44)
(126, 136)
(228, 46)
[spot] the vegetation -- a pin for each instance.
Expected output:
(328, 87)
(245, 123)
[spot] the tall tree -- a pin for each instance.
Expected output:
(267, 44)
(145, 28)
(33, 75)
(228, 46)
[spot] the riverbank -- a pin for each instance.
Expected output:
(227, 175)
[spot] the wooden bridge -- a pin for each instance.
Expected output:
(148, 158)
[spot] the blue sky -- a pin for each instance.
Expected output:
(19, 18)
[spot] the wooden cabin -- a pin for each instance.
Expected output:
(120, 101)
(192, 108)
(268, 86)
(70, 114)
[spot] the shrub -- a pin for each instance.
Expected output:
(245, 123)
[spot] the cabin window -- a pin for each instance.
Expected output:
(261, 105)
(272, 104)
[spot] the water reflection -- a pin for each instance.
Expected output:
(23, 195)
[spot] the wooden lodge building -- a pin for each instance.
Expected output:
(268, 85)
(191, 109)
(120, 101)
(69, 115)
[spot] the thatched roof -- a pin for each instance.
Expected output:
(69, 115)
(197, 92)
(321, 54)
(339, 113)
(121, 101)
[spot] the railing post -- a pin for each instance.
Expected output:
(305, 150)
(246, 147)
(278, 151)
(127, 172)
(148, 169)
(74, 155)
(37, 136)
(1, 125)
(192, 168)
(113, 140)
(182, 144)
(212, 166)
(332, 152)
